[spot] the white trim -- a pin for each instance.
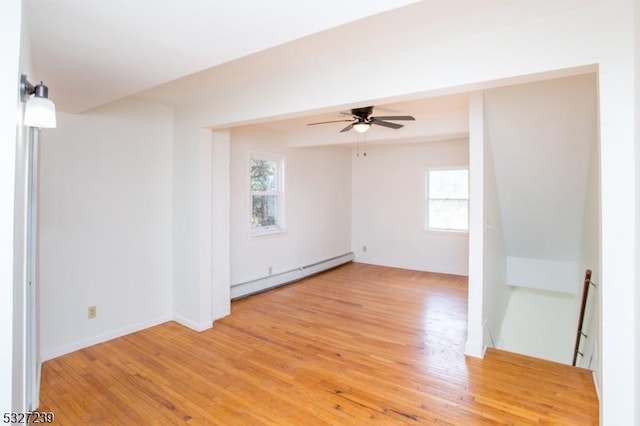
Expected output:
(94, 340)
(266, 283)
(32, 340)
(447, 232)
(474, 350)
(265, 232)
(192, 324)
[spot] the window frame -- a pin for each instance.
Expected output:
(279, 192)
(426, 198)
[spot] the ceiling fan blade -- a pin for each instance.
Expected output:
(396, 117)
(385, 123)
(327, 122)
(346, 129)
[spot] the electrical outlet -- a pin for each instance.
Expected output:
(270, 270)
(364, 248)
(91, 312)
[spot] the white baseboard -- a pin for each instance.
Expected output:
(476, 351)
(94, 340)
(220, 310)
(192, 324)
(272, 281)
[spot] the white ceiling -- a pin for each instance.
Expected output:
(92, 52)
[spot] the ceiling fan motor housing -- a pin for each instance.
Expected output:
(362, 113)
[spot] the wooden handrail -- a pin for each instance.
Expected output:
(579, 334)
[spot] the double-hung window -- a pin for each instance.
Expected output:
(447, 200)
(266, 186)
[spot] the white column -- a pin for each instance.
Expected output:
(205, 232)
(475, 344)
(221, 219)
(619, 397)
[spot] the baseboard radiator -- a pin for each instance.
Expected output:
(262, 284)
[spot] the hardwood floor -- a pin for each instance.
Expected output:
(357, 345)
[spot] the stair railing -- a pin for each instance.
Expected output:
(580, 334)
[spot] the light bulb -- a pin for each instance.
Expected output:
(361, 126)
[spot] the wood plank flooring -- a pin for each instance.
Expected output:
(358, 345)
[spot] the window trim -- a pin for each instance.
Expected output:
(279, 227)
(425, 200)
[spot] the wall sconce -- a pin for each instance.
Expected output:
(39, 110)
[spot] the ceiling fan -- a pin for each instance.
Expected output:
(361, 120)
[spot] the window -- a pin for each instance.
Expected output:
(447, 200)
(266, 188)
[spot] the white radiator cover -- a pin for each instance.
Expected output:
(272, 281)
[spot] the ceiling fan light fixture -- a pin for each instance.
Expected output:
(361, 126)
(361, 120)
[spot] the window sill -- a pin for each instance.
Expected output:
(452, 232)
(266, 233)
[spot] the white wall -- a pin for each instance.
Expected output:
(554, 275)
(637, 169)
(317, 206)
(540, 323)
(482, 44)
(10, 35)
(105, 224)
(388, 207)
(618, 276)
(188, 140)
(541, 137)
(495, 290)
